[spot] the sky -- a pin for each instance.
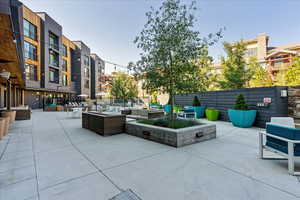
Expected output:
(109, 27)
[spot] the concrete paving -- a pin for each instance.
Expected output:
(52, 158)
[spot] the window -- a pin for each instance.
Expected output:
(278, 64)
(29, 30)
(87, 83)
(86, 72)
(64, 65)
(30, 51)
(53, 75)
(251, 52)
(64, 80)
(53, 58)
(53, 41)
(31, 72)
(86, 60)
(64, 51)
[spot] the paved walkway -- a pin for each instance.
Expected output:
(51, 158)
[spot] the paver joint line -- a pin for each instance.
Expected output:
(34, 161)
(77, 149)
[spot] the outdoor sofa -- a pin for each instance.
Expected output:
(282, 138)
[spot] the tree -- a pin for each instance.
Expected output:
(170, 48)
(240, 103)
(260, 77)
(124, 87)
(208, 78)
(235, 73)
(292, 74)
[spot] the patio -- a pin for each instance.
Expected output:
(52, 157)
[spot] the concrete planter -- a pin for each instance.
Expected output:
(6, 122)
(172, 137)
(11, 114)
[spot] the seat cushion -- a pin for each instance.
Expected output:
(285, 132)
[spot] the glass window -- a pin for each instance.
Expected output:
(64, 80)
(86, 72)
(53, 41)
(64, 51)
(30, 51)
(53, 58)
(29, 30)
(251, 52)
(87, 83)
(31, 72)
(53, 75)
(64, 65)
(86, 60)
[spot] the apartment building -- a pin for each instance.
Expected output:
(97, 72)
(41, 60)
(11, 55)
(81, 71)
(274, 59)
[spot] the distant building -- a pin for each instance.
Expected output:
(97, 72)
(274, 59)
(81, 71)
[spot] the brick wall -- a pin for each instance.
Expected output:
(294, 103)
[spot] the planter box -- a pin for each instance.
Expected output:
(172, 137)
(103, 124)
(23, 114)
(59, 108)
(126, 112)
(50, 108)
(6, 124)
(242, 118)
(10, 114)
(212, 114)
(146, 114)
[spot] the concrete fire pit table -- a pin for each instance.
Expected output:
(172, 137)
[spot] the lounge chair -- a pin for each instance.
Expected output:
(282, 138)
(188, 112)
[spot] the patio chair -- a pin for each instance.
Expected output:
(282, 138)
(188, 112)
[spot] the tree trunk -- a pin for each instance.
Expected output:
(172, 106)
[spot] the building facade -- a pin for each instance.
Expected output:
(42, 61)
(274, 59)
(97, 72)
(81, 70)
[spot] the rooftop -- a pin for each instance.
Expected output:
(52, 157)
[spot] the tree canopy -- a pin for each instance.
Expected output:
(124, 87)
(170, 46)
(236, 74)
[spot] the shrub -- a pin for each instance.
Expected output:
(240, 103)
(196, 102)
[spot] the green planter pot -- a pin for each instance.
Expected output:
(212, 114)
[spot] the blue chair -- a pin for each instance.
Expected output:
(188, 112)
(284, 141)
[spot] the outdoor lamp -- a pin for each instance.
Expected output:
(283, 93)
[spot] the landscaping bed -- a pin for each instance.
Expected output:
(183, 133)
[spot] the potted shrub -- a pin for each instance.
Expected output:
(241, 116)
(212, 114)
(199, 110)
